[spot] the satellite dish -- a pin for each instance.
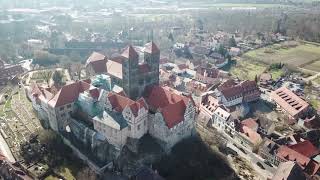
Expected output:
(68, 129)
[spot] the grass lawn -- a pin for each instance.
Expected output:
(315, 103)
(67, 170)
(247, 70)
(8, 104)
(317, 80)
(315, 66)
(299, 56)
(276, 73)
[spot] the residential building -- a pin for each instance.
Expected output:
(289, 171)
(289, 103)
(234, 51)
(248, 138)
(302, 153)
(268, 151)
(208, 75)
(231, 93)
(7, 72)
(265, 79)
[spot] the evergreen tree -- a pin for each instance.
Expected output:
(232, 42)
(57, 77)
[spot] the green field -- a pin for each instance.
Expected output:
(314, 66)
(317, 80)
(247, 70)
(304, 55)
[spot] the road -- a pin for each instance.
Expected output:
(5, 150)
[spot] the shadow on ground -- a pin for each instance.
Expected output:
(192, 159)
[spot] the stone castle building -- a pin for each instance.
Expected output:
(93, 114)
(129, 71)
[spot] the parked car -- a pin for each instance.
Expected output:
(260, 165)
(268, 163)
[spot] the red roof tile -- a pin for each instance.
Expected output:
(251, 123)
(305, 148)
(114, 68)
(171, 105)
(182, 66)
(286, 153)
(68, 93)
(119, 103)
(130, 53)
(99, 66)
(208, 72)
(252, 135)
(95, 93)
(95, 56)
(289, 101)
(230, 88)
(151, 48)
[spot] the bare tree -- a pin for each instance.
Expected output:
(46, 75)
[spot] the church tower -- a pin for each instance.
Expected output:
(130, 72)
(152, 58)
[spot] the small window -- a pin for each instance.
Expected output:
(138, 127)
(129, 128)
(63, 114)
(61, 108)
(69, 106)
(144, 122)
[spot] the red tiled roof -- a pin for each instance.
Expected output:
(252, 135)
(305, 148)
(265, 77)
(182, 66)
(208, 72)
(173, 113)
(95, 93)
(99, 66)
(68, 93)
(230, 88)
(151, 48)
(289, 101)
(130, 53)
(95, 56)
(286, 153)
(250, 123)
(232, 91)
(171, 105)
(119, 103)
(114, 69)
